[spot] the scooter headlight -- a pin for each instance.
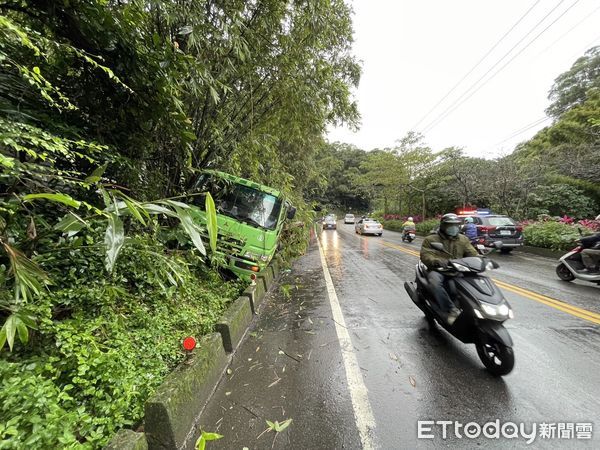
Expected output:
(461, 268)
(489, 266)
(490, 310)
(501, 310)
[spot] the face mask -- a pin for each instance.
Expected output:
(452, 231)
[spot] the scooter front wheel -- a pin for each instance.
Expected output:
(564, 273)
(497, 358)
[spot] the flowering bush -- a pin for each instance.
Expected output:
(416, 219)
(554, 235)
(593, 225)
(566, 219)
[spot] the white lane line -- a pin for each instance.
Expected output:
(363, 414)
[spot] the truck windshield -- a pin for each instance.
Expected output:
(241, 202)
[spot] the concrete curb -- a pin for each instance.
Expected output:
(172, 413)
(546, 252)
(128, 439)
(256, 294)
(233, 324)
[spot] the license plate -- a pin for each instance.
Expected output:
(505, 232)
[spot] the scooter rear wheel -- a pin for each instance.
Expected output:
(564, 273)
(497, 358)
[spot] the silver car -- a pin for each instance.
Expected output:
(368, 226)
(349, 218)
(330, 223)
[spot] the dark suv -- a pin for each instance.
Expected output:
(492, 228)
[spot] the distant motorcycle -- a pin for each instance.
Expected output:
(483, 309)
(408, 236)
(571, 267)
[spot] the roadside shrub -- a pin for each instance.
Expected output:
(424, 228)
(102, 343)
(552, 235)
(393, 225)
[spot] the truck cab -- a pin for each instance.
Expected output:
(250, 218)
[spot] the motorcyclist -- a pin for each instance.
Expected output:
(409, 226)
(590, 255)
(470, 229)
(456, 246)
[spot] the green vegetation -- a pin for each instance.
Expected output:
(553, 235)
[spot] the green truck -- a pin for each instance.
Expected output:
(250, 218)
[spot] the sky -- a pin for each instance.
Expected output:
(414, 52)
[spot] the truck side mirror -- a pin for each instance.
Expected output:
(291, 213)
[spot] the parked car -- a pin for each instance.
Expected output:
(368, 226)
(349, 218)
(330, 222)
(492, 228)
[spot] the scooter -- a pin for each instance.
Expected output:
(408, 235)
(483, 309)
(571, 267)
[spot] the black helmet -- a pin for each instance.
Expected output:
(450, 218)
(447, 221)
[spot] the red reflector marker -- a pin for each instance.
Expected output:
(189, 343)
(253, 276)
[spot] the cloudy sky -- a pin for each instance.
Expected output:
(414, 52)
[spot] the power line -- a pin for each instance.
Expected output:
(592, 43)
(460, 100)
(586, 17)
(523, 130)
(475, 66)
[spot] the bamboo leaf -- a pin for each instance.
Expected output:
(135, 210)
(59, 198)
(114, 238)
(2, 337)
(96, 174)
(211, 436)
(9, 330)
(211, 222)
(22, 330)
(71, 224)
(152, 208)
(190, 228)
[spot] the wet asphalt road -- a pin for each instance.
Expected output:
(291, 364)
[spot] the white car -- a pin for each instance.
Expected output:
(368, 226)
(349, 218)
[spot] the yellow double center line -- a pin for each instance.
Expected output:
(556, 304)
